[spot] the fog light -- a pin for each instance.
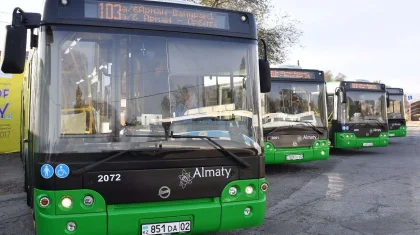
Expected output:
(71, 226)
(44, 202)
(264, 187)
(247, 211)
(66, 202)
(233, 191)
(88, 200)
(249, 190)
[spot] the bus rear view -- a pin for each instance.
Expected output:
(396, 113)
(295, 117)
(357, 113)
(144, 117)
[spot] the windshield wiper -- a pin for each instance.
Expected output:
(225, 151)
(89, 167)
(313, 127)
(380, 123)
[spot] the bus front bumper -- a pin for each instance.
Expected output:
(204, 215)
(296, 154)
(350, 141)
(401, 132)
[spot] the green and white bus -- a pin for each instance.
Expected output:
(357, 114)
(396, 113)
(295, 117)
(143, 117)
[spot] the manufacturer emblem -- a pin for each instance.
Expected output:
(185, 178)
(299, 138)
(164, 192)
(295, 143)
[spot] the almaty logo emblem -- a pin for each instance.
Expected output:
(185, 178)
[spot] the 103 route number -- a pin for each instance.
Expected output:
(109, 178)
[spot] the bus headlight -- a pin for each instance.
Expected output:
(71, 226)
(247, 211)
(233, 191)
(66, 202)
(88, 200)
(317, 144)
(249, 190)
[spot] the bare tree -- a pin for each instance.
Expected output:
(280, 37)
(329, 77)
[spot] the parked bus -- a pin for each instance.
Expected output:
(295, 117)
(357, 114)
(143, 117)
(396, 113)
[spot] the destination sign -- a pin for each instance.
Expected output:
(364, 86)
(292, 74)
(395, 90)
(143, 13)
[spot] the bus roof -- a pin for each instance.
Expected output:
(177, 2)
(160, 15)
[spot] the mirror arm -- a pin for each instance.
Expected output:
(28, 20)
(265, 49)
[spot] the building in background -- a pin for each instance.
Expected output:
(415, 111)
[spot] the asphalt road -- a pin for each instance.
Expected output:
(374, 191)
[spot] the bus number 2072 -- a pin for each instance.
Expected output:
(108, 178)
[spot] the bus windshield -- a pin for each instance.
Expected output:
(396, 107)
(362, 107)
(109, 88)
(291, 103)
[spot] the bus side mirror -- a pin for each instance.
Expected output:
(265, 76)
(344, 97)
(265, 73)
(14, 50)
(388, 103)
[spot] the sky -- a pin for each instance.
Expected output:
(373, 40)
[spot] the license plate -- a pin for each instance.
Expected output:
(166, 228)
(294, 157)
(367, 144)
(391, 134)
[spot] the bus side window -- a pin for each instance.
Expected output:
(330, 107)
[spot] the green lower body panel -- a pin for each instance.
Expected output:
(205, 215)
(92, 224)
(304, 154)
(350, 141)
(401, 132)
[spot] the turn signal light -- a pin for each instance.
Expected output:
(44, 202)
(264, 187)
